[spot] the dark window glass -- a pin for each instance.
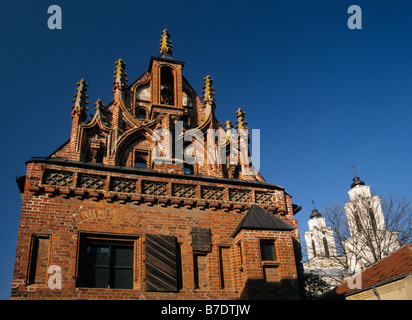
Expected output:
(142, 114)
(268, 251)
(140, 164)
(109, 265)
(167, 86)
(188, 169)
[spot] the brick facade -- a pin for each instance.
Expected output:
(89, 201)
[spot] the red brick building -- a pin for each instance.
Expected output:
(106, 217)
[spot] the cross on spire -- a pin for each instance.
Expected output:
(315, 212)
(353, 169)
(356, 180)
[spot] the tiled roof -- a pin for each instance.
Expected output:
(397, 264)
(258, 218)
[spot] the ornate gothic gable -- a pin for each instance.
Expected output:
(160, 101)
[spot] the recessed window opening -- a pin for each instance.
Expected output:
(106, 263)
(167, 86)
(188, 169)
(268, 250)
(140, 159)
(141, 114)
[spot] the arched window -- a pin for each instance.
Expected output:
(372, 218)
(143, 93)
(358, 222)
(325, 244)
(167, 86)
(314, 248)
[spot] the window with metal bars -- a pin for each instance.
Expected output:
(267, 250)
(106, 263)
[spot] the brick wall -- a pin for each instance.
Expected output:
(61, 212)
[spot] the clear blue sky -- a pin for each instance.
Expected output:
(323, 96)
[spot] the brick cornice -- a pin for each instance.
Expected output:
(148, 172)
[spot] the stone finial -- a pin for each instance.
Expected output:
(99, 111)
(120, 80)
(208, 91)
(166, 48)
(79, 107)
(228, 125)
(241, 123)
(99, 106)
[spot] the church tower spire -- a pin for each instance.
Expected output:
(315, 212)
(356, 180)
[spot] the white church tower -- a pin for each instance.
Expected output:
(369, 239)
(319, 239)
(320, 244)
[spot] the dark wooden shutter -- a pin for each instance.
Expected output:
(161, 263)
(201, 241)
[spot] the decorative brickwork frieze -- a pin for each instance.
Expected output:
(263, 197)
(183, 191)
(154, 188)
(210, 193)
(91, 182)
(238, 195)
(123, 185)
(58, 178)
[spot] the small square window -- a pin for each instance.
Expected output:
(188, 169)
(268, 250)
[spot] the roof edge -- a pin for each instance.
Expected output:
(350, 293)
(148, 172)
